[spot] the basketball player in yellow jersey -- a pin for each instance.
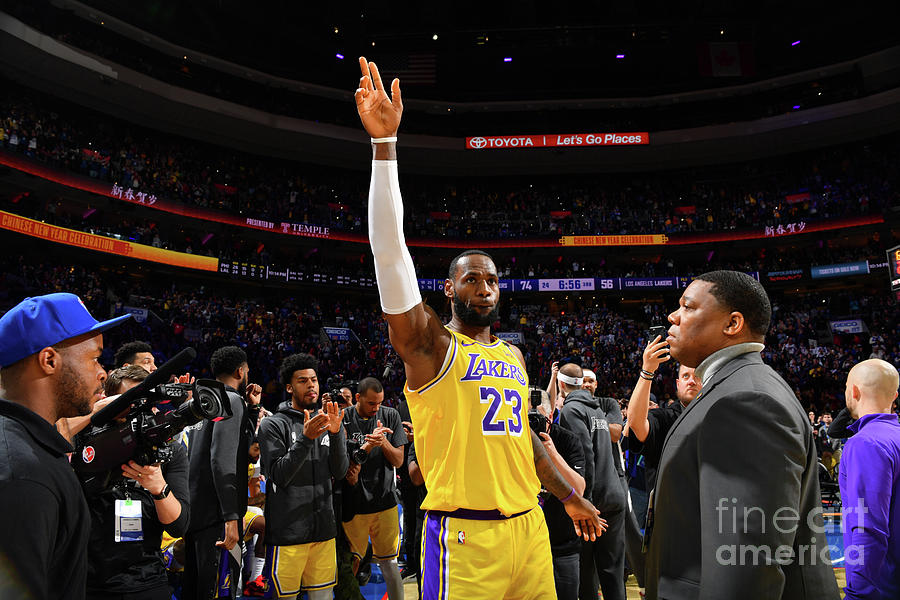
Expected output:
(484, 535)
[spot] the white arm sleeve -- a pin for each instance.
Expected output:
(394, 271)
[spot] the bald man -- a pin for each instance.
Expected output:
(870, 483)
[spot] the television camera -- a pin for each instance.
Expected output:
(140, 423)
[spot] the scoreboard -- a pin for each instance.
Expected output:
(301, 274)
(304, 274)
(893, 256)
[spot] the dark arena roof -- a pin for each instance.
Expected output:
(465, 51)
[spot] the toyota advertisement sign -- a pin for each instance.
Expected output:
(574, 140)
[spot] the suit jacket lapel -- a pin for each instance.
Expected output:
(727, 370)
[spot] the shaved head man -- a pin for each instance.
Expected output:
(870, 482)
(871, 387)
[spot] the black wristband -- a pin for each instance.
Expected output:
(163, 494)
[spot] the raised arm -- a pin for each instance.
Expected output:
(639, 404)
(552, 389)
(416, 331)
(838, 428)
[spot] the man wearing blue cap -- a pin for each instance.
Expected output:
(50, 348)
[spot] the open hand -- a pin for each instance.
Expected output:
(377, 437)
(379, 114)
(186, 378)
(335, 416)
(586, 517)
(314, 427)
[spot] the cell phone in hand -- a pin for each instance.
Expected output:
(658, 330)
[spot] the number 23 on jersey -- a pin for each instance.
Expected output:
(495, 421)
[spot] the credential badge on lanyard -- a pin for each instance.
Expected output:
(129, 527)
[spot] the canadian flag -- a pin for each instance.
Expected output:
(726, 59)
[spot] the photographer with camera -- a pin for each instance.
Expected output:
(128, 519)
(302, 450)
(50, 348)
(375, 440)
(564, 450)
(219, 463)
(129, 354)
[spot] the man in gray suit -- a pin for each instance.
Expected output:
(736, 511)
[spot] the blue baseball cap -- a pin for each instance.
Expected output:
(41, 321)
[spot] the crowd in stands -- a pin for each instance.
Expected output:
(843, 181)
(609, 339)
(232, 244)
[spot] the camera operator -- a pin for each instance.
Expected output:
(50, 348)
(300, 461)
(603, 559)
(130, 353)
(376, 437)
(565, 452)
(219, 463)
(128, 565)
(135, 353)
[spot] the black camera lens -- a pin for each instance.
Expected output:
(360, 456)
(208, 404)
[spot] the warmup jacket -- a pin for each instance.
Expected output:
(219, 461)
(299, 474)
(582, 416)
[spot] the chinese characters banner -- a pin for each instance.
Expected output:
(321, 231)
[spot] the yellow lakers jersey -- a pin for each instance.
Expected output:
(473, 442)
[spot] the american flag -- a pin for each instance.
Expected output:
(412, 69)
